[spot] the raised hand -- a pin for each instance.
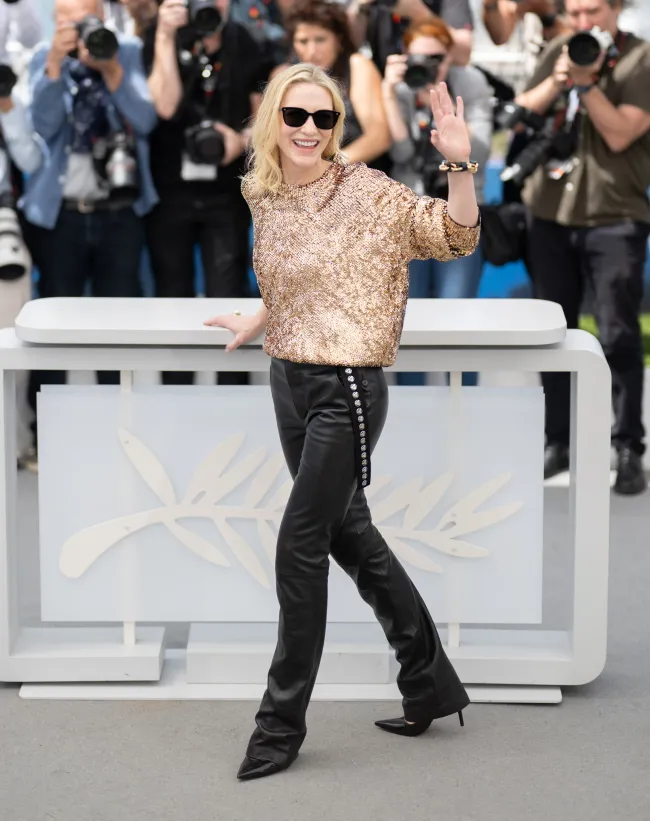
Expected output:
(450, 135)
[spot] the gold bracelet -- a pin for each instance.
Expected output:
(454, 167)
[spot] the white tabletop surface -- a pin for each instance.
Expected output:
(175, 322)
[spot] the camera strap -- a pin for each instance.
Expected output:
(209, 75)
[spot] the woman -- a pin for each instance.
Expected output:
(320, 34)
(332, 246)
(416, 161)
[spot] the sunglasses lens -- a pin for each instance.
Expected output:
(294, 117)
(325, 120)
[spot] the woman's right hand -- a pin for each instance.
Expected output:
(245, 328)
(395, 70)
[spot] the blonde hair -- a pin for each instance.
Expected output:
(264, 155)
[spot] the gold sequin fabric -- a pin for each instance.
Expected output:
(331, 259)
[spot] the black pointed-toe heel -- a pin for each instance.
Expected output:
(400, 726)
(257, 768)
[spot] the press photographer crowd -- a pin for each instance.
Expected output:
(124, 136)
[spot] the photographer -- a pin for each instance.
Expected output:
(265, 22)
(591, 216)
(407, 87)
(501, 17)
(382, 23)
(91, 106)
(20, 150)
(540, 22)
(206, 75)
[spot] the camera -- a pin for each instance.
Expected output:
(14, 256)
(116, 162)
(586, 47)
(547, 142)
(100, 41)
(204, 16)
(7, 80)
(204, 144)
(511, 114)
(422, 69)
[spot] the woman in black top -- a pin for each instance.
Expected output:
(319, 33)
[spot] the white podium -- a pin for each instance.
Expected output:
(511, 663)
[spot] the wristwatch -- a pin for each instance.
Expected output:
(584, 89)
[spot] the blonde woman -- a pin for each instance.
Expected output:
(332, 247)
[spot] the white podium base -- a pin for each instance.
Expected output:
(173, 686)
(88, 654)
(224, 654)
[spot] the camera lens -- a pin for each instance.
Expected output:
(421, 69)
(102, 44)
(584, 49)
(204, 16)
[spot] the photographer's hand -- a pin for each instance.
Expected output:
(583, 75)
(394, 74)
(65, 40)
(234, 143)
(395, 71)
(561, 70)
(245, 328)
(6, 104)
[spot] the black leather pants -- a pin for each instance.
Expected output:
(327, 514)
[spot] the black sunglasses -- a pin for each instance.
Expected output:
(296, 117)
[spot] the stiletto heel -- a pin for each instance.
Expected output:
(400, 726)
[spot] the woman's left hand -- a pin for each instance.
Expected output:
(450, 136)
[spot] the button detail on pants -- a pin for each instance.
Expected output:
(349, 379)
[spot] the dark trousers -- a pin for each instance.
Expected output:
(610, 259)
(220, 227)
(102, 249)
(327, 514)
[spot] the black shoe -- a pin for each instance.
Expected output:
(556, 460)
(256, 768)
(400, 726)
(630, 476)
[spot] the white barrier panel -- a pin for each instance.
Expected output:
(162, 504)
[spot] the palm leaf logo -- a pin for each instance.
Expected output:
(221, 472)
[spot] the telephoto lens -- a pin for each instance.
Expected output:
(204, 16)
(100, 41)
(586, 47)
(421, 70)
(7, 80)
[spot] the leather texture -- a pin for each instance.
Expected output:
(326, 515)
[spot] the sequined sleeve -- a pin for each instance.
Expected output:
(252, 199)
(435, 235)
(427, 229)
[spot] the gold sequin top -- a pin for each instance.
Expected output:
(331, 259)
